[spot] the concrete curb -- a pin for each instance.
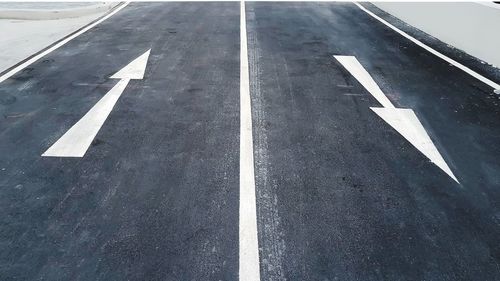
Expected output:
(53, 14)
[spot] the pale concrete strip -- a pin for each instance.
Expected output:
(434, 52)
(23, 65)
(249, 269)
(59, 10)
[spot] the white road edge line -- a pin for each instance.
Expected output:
(464, 68)
(56, 46)
(249, 268)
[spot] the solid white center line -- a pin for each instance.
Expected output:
(249, 269)
(464, 68)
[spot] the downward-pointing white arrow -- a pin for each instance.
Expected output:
(401, 119)
(76, 141)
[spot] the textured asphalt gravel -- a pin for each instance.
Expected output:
(340, 194)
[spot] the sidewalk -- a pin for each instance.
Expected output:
(27, 28)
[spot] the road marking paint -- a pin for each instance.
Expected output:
(359, 72)
(249, 268)
(76, 141)
(23, 65)
(434, 52)
(135, 69)
(403, 120)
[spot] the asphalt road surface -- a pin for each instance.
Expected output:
(372, 158)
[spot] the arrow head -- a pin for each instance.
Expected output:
(407, 124)
(135, 69)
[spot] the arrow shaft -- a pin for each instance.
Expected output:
(76, 141)
(359, 72)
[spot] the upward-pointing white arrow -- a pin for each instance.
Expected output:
(76, 141)
(402, 120)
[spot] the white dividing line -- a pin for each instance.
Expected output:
(249, 269)
(434, 52)
(49, 50)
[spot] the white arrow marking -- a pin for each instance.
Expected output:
(135, 69)
(402, 120)
(359, 72)
(407, 124)
(76, 141)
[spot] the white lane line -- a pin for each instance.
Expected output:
(76, 141)
(434, 52)
(249, 269)
(359, 72)
(49, 50)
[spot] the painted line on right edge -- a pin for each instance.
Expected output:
(249, 268)
(464, 68)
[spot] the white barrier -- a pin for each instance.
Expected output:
(468, 26)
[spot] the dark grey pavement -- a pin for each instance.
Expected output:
(155, 197)
(340, 194)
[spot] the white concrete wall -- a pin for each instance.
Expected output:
(471, 27)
